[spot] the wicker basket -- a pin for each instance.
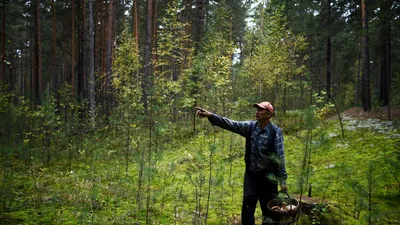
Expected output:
(283, 216)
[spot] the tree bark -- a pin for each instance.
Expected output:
(37, 71)
(3, 42)
(147, 55)
(98, 33)
(103, 48)
(328, 50)
(55, 74)
(82, 80)
(135, 24)
(197, 36)
(366, 86)
(91, 61)
(199, 24)
(110, 42)
(386, 57)
(73, 49)
(154, 34)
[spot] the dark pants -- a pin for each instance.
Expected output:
(257, 187)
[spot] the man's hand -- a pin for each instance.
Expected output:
(202, 112)
(284, 188)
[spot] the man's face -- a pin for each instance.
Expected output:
(262, 114)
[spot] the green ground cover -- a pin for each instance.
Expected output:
(198, 179)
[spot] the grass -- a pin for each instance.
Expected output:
(95, 188)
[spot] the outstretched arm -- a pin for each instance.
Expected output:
(238, 127)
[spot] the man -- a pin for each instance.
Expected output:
(264, 157)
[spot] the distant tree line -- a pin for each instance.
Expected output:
(348, 49)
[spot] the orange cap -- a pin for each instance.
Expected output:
(265, 105)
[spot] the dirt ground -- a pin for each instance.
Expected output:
(378, 112)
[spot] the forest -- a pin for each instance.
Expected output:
(97, 108)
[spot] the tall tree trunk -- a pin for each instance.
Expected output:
(366, 86)
(37, 72)
(98, 33)
(103, 48)
(358, 86)
(3, 42)
(91, 61)
(149, 167)
(146, 89)
(140, 179)
(64, 77)
(25, 83)
(328, 50)
(147, 55)
(82, 87)
(154, 34)
(197, 37)
(55, 74)
(110, 42)
(199, 24)
(73, 48)
(386, 53)
(135, 24)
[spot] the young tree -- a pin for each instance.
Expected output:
(277, 60)
(173, 59)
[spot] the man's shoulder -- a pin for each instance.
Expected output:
(274, 127)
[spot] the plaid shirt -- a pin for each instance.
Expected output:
(261, 154)
(263, 151)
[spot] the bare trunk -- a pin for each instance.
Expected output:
(199, 24)
(154, 34)
(328, 51)
(147, 55)
(91, 62)
(82, 80)
(73, 49)
(135, 24)
(98, 24)
(140, 180)
(149, 169)
(366, 86)
(386, 55)
(198, 35)
(328, 66)
(3, 43)
(37, 76)
(146, 89)
(55, 74)
(110, 42)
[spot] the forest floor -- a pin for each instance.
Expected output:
(353, 119)
(378, 113)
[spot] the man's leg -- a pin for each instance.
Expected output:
(267, 191)
(250, 198)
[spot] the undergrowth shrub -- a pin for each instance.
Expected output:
(291, 122)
